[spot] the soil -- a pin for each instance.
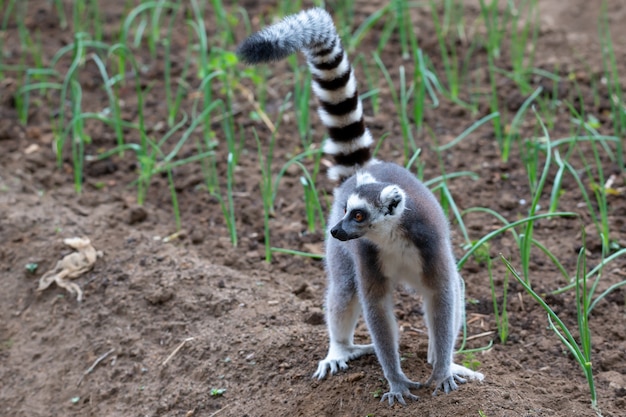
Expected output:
(164, 321)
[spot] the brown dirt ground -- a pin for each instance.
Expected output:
(256, 329)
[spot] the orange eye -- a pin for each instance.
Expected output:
(358, 216)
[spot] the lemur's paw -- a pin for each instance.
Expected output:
(449, 383)
(337, 357)
(399, 391)
(458, 370)
(329, 364)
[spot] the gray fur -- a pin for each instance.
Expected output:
(403, 241)
(387, 227)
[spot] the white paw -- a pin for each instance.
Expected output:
(338, 356)
(449, 383)
(400, 390)
(458, 370)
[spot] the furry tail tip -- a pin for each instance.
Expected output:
(257, 49)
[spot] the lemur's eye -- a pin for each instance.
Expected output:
(345, 210)
(358, 216)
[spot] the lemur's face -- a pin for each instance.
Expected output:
(370, 209)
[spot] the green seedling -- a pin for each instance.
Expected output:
(147, 11)
(580, 349)
(172, 99)
(496, 24)
(448, 54)
(507, 227)
(152, 159)
(225, 22)
(35, 80)
(425, 81)
(378, 393)
(609, 63)
(501, 315)
(198, 28)
(310, 198)
(298, 253)
(453, 21)
(267, 188)
(302, 100)
(523, 38)
(597, 272)
(365, 27)
(71, 91)
(403, 23)
(512, 131)
(313, 206)
(598, 209)
(467, 132)
(227, 203)
(470, 361)
(517, 236)
(537, 184)
(217, 392)
(344, 14)
(372, 94)
(86, 17)
(401, 102)
(481, 254)
(6, 344)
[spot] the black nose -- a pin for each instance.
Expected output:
(339, 233)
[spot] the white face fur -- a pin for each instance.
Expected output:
(389, 202)
(371, 211)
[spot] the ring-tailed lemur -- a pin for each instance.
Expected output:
(388, 227)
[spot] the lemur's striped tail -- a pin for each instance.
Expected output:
(313, 32)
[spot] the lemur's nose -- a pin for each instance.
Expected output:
(339, 233)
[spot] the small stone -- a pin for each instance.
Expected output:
(316, 318)
(508, 202)
(197, 237)
(159, 296)
(355, 377)
(137, 214)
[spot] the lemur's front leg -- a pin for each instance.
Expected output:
(442, 313)
(377, 302)
(342, 312)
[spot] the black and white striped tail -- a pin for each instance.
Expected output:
(313, 32)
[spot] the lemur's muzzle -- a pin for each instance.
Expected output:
(339, 233)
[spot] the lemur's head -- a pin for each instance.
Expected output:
(373, 208)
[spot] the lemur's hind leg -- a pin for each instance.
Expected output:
(342, 312)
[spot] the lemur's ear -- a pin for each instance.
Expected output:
(392, 199)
